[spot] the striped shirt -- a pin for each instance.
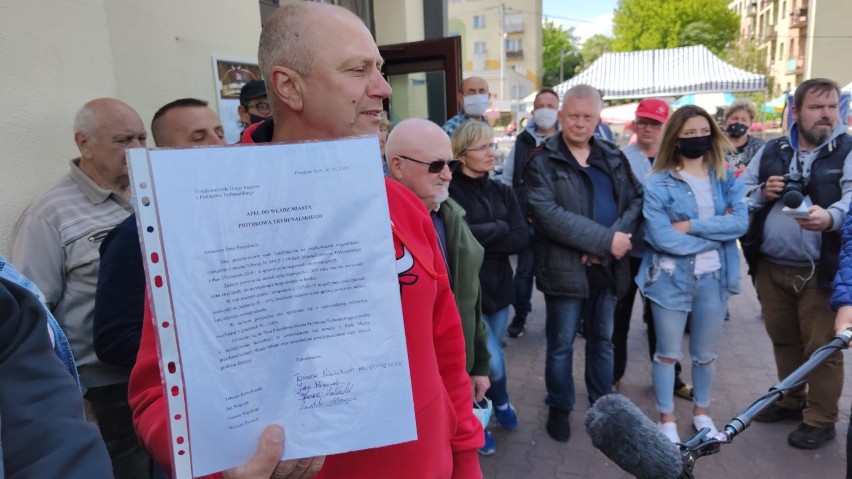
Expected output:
(56, 245)
(453, 123)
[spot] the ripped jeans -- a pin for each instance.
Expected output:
(708, 316)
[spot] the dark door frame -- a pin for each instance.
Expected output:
(443, 54)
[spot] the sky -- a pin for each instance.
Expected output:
(588, 17)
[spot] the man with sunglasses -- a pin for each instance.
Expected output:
(419, 157)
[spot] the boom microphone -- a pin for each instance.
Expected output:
(625, 435)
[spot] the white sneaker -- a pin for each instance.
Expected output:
(701, 421)
(669, 429)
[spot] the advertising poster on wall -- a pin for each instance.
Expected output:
(230, 74)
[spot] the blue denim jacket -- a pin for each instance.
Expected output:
(60, 341)
(669, 199)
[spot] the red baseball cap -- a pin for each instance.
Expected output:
(654, 109)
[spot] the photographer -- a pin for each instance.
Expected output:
(793, 255)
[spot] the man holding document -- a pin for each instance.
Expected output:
(322, 70)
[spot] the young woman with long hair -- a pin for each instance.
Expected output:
(694, 213)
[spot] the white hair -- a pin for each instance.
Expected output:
(86, 121)
(583, 91)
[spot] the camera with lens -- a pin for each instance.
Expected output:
(792, 193)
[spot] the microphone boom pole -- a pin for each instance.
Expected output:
(702, 445)
(797, 377)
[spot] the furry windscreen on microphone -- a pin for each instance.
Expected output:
(625, 435)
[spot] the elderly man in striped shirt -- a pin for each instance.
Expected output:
(56, 245)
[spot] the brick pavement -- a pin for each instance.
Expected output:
(745, 371)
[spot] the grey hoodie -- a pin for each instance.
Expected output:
(784, 242)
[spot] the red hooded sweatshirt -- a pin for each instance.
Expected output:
(448, 434)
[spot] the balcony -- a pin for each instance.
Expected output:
(796, 65)
(514, 54)
(513, 23)
(799, 18)
(769, 33)
(751, 10)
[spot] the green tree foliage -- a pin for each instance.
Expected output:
(650, 24)
(594, 46)
(555, 39)
(747, 55)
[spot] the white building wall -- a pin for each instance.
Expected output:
(58, 55)
(398, 21)
(829, 41)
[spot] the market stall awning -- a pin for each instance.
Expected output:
(666, 72)
(619, 114)
(708, 101)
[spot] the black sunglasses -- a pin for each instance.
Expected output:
(436, 166)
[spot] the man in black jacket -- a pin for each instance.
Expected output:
(585, 205)
(542, 125)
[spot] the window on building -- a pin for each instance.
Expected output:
(781, 51)
(514, 48)
(479, 48)
(518, 92)
(783, 9)
(478, 21)
(513, 22)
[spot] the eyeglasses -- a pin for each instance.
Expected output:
(436, 166)
(648, 123)
(262, 107)
(492, 146)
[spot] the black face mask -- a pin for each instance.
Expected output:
(694, 147)
(736, 130)
(255, 118)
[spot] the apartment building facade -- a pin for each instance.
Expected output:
(501, 42)
(801, 39)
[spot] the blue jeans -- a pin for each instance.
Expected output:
(708, 315)
(524, 279)
(497, 323)
(563, 318)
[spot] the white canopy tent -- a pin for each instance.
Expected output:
(667, 72)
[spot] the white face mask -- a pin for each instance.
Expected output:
(475, 105)
(544, 118)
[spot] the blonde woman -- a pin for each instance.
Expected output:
(694, 214)
(496, 221)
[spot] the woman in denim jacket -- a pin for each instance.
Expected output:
(694, 213)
